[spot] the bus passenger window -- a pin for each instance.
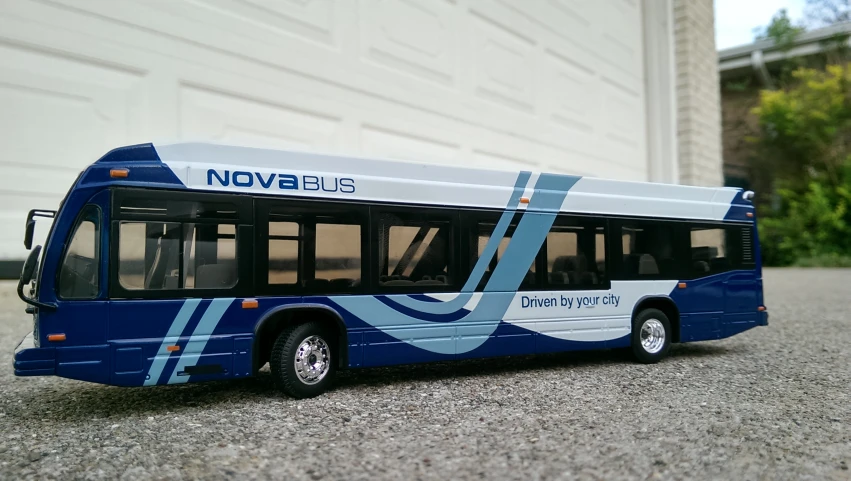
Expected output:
(576, 254)
(708, 251)
(78, 276)
(413, 252)
(150, 255)
(648, 251)
(485, 232)
(283, 253)
(209, 256)
(338, 253)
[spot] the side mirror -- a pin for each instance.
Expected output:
(29, 266)
(27, 275)
(28, 236)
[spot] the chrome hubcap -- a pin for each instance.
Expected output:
(652, 336)
(312, 360)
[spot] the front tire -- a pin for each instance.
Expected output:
(651, 336)
(303, 360)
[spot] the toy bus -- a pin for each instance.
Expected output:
(192, 262)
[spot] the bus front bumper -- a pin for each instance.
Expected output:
(34, 361)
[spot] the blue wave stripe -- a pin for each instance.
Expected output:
(424, 316)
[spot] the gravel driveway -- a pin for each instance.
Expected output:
(772, 403)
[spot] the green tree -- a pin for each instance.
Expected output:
(804, 138)
(780, 29)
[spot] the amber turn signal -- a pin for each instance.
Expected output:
(56, 337)
(119, 173)
(250, 304)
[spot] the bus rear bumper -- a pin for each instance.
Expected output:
(34, 361)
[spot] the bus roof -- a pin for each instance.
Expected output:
(237, 169)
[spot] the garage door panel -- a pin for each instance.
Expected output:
(384, 142)
(60, 109)
(272, 23)
(223, 116)
(503, 65)
(570, 95)
(412, 37)
(540, 85)
(623, 116)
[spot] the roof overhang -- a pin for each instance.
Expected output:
(755, 58)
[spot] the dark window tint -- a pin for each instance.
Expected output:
(576, 254)
(78, 275)
(709, 253)
(717, 249)
(134, 206)
(318, 254)
(414, 250)
(338, 253)
(648, 251)
(173, 255)
(484, 233)
(284, 239)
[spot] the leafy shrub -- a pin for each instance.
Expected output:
(805, 136)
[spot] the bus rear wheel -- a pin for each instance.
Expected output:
(303, 360)
(651, 336)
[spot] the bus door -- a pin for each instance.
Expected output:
(176, 287)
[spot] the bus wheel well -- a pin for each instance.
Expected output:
(272, 326)
(668, 307)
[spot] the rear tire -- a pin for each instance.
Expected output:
(651, 336)
(303, 360)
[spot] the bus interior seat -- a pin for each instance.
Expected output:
(318, 284)
(341, 282)
(398, 282)
(647, 265)
(157, 269)
(559, 278)
(215, 276)
(701, 266)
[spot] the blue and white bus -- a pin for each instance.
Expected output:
(193, 262)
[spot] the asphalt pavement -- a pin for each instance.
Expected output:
(773, 403)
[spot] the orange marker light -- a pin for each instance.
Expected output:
(760, 308)
(250, 304)
(119, 173)
(56, 337)
(681, 285)
(172, 348)
(524, 200)
(749, 214)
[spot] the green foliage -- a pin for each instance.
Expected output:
(804, 136)
(781, 30)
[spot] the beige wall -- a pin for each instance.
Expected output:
(698, 96)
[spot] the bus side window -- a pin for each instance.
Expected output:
(414, 250)
(484, 232)
(648, 251)
(576, 253)
(150, 254)
(708, 251)
(78, 275)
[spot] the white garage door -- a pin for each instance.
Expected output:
(551, 85)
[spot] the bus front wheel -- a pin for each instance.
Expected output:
(651, 336)
(303, 360)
